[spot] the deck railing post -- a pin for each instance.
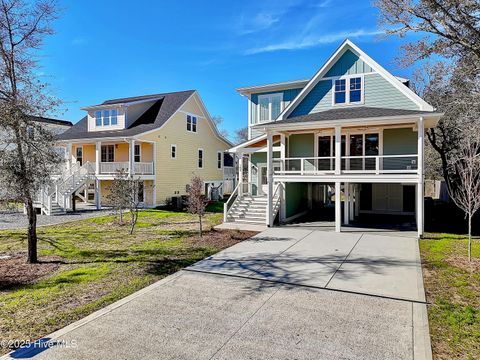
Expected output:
(377, 164)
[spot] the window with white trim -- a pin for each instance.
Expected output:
(107, 153)
(219, 160)
(191, 123)
(348, 90)
(106, 117)
(173, 151)
(269, 107)
(200, 158)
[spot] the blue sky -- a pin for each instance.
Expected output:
(108, 49)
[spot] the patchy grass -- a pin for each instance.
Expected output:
(89, 264)
(452, 285)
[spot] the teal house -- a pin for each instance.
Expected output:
(344, 147)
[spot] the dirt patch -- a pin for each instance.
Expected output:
(14, 270)
(222, 239)
(463, 263)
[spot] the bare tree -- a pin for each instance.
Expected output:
(241, 135)
(27, 157)
(451, 28)
(118, 196)
(196, 202)
(218, 121)
(467, 165)
(134, 200)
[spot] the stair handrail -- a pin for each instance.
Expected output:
(227, 206)
(276, 203)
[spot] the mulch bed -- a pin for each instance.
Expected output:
(222, 239)
(14, 269)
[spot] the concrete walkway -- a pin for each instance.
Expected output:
(284, 294)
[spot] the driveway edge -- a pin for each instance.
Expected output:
(24, 353)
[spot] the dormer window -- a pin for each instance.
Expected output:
(106, 117)
(348, 90)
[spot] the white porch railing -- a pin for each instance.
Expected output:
(369, 164)
(143, 168)
(380, 164)
(140, 168)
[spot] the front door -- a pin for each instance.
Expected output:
(79, 155)
(262, 179)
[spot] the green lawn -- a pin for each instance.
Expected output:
(96, 262)
(452, 285)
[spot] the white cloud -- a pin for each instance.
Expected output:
(310, 41)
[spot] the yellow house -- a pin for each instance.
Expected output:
(161, 139)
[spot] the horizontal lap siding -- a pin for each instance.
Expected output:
(380, 93)
(172, 175)
(318, 99)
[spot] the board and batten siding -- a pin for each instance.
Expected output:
(348, 64)
(173, 175)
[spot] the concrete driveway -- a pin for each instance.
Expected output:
(284, 294)
(373, 263)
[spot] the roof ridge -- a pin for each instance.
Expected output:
(143, 97)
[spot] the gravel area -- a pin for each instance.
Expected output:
(19, 220)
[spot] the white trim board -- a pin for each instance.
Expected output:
(348, 45)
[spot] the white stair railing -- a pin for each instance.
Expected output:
(227, 206)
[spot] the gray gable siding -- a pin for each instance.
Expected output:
(348, 64)
(378, 92)
(381, 93)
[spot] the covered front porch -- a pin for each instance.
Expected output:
(342, 154)
(107, 157)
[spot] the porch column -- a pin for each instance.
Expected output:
(353, 195)
(68, 155)
(420, 195)
(338, 149)
(131, 158)
(283, 154)
(97, 194)
(240, 175)
(346, 204)
(338, 208)
(269, 219)
(98, 149)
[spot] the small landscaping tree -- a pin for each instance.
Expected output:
(118, 197)
(196, 202)
(134, 201)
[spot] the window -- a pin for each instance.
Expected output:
(113, 117)
(348, 91)
(340, 91)
(269, 107)
(200, 158)
(106, 117)
(107, 153)
(219, 159)
(136, 153)
(191, 123)
(98, 118)
(355, 90)
(173, 151)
